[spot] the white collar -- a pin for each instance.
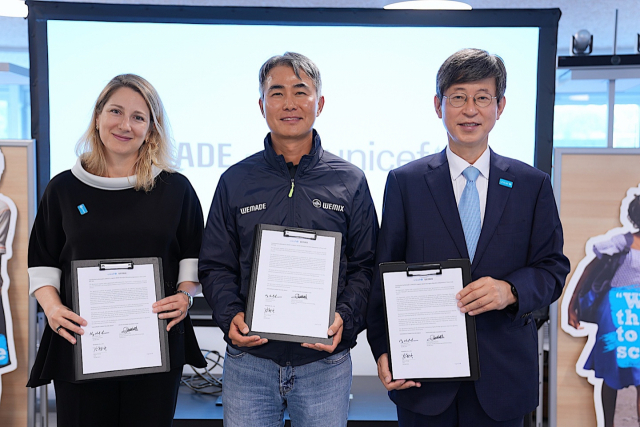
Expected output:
(103, 183)
(457, 164)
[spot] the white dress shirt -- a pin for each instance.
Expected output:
(458, 164)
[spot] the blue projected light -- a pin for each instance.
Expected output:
(378, 83)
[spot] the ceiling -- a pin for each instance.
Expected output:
(596, 16)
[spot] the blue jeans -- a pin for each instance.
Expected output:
(256, 391)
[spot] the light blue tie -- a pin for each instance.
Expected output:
(469, 209)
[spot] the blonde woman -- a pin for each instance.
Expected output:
(121, 199)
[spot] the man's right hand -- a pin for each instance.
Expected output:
(237, 331)
(385, 376)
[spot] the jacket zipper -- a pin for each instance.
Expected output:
(292, 185)
(292, 207)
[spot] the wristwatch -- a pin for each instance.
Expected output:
(188, 296)
(513, 308)
(514, 291)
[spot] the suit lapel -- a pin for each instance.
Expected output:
(438, 180)
(497, 196)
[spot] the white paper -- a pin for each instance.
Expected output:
(427, 331)
(122, 332)
(293, 286)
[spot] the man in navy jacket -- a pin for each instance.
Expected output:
(292, 182)
(517, 261)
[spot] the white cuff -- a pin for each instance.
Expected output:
(188, 272)
(44, 276)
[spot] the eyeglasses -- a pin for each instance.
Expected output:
(482, 100)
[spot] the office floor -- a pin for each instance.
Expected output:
(369, 407)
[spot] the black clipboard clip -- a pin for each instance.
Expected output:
(116, 265)
(423, 269)
(311, 235)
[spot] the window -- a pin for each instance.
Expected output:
(15, 111)
(581, 114)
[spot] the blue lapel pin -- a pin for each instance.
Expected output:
(83, 210)
(506, 183)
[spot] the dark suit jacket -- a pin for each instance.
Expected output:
(520, 242)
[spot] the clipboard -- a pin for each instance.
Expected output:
(112, 274)
(282, 299)
(410, 286)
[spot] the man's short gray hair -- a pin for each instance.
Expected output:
(297, 62)
(471, 65)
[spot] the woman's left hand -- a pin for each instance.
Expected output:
(174, 307)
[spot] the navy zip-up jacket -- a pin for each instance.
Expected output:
(326, 193)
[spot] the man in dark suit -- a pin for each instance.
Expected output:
(469, 202)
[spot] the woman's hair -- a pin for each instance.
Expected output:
(155, 150)
(634, 212)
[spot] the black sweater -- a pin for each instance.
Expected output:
(120, 222)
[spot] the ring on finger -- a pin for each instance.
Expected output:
(181, 312)
(58, 329)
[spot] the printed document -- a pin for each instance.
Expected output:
(293, 285)
(122, 332)
(427, 331)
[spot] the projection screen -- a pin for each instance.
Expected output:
(378, 73)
